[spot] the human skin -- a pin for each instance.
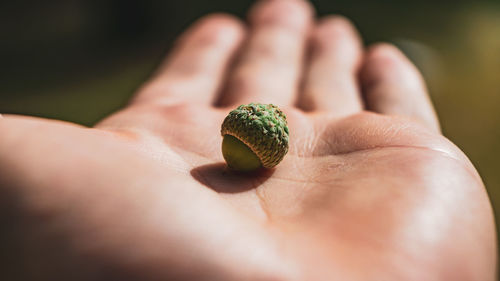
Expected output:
(370, 189)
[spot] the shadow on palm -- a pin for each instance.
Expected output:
(221, 179)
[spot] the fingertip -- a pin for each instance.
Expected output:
(291, 14)
(195, 69)
(386, 60)
(382, 54)
(223, 21)
(269, 67)
(337, 34)
(392, 84)
(337, 24)
(383, 50)
(385, 63)
(216, 29)
(335, 56)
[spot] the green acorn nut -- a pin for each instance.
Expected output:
(255, 136)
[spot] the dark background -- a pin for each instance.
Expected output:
(79, 60)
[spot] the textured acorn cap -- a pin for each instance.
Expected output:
(263, 128)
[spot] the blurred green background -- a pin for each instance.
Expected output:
(79, 60)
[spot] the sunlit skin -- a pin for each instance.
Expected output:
(370, 189)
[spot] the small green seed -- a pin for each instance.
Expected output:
(238, 155)
(255, 135)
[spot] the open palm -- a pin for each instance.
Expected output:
(370, 190)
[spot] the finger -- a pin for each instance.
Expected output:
(393, 85)
(331, 82)
(271, 64)
(194, 71)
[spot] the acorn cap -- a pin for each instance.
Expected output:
(263, 128)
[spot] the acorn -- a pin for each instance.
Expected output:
(255, 136)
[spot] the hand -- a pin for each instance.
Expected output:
(370, 189)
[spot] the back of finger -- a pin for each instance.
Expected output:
(271, 64)
(392, 85)
(195, 69)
